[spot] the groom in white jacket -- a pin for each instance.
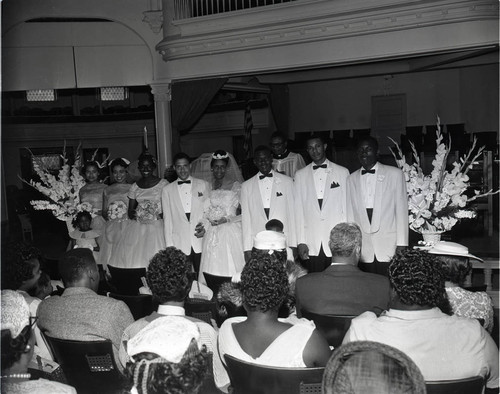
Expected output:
(268, 195)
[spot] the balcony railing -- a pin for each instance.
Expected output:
(184, 9)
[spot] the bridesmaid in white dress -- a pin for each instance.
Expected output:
(92, 193)
(115, 209)
(143, 236)
(222, 252)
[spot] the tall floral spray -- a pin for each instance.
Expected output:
(438, 201)
(61, 190)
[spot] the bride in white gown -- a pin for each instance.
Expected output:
(222, 252)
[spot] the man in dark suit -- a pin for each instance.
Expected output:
(342, 288)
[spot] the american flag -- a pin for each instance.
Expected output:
(248, 123)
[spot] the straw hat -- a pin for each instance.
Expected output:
(451, 249)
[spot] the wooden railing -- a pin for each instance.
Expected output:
(184, 9)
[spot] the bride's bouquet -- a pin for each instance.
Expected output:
(117, 210)
(215, 212)
(147, 211)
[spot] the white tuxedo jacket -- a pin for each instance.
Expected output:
(314, 224)
(179, 231)
(389, 226)
(253, 216)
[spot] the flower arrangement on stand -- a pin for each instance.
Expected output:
(437, 201)
(61, 190)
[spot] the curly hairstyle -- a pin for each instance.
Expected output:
(74, 263)
(91, 163)
(455, 268)
(167, 275)
(146, 157)
(179, 156)
(229, 302)
(264, 283)
(219, 152)
(277, 255)
(80, 215)
(163, 377)
(345, 238)
(18, 261)
(417, 278)
(117, 162)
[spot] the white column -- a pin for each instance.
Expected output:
(163, 95)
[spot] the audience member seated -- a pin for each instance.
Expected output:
(168, 279)
(342, 288)
(167, 357)
(18, 343)
(21, 271)
(80, 314)
(273, 243)
(261, 337)
(455, 259)
(443, 347)
(42, 288)
(229, 302)
(370, 367)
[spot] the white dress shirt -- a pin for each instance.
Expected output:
(185, 194)
(368, 184)
(266, 187)
(320, 175)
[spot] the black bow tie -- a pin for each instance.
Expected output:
(320, 166)
(363, 172)
(270, 175)
(181, 182)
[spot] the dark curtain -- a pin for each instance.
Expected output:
(280, 107)
(190, 99)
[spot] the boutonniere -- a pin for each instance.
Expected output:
(380, 178)
(328, 171)
(278, 194)
(277, 181)
(334, 185)
(200, 194)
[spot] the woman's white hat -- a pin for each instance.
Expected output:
(269, 240)
(451, 249)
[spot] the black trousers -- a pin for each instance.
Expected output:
(195, 259)
(377, 267)
(317, 263)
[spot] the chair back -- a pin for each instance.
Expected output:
(89, 366)
(332, 327)
(473, 385)
(201, 309)
(126, 281)
(140, 305)
(247, 378)
(214, 281)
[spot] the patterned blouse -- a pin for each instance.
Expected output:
(474, 305)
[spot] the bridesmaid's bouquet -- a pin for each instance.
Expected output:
(147, 211)
(117, 210)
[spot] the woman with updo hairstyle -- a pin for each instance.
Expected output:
(18, 342)
(115, 209)
(167, 358)
(143, 236)
(92, 193)
(262, 338)
(222, 252)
